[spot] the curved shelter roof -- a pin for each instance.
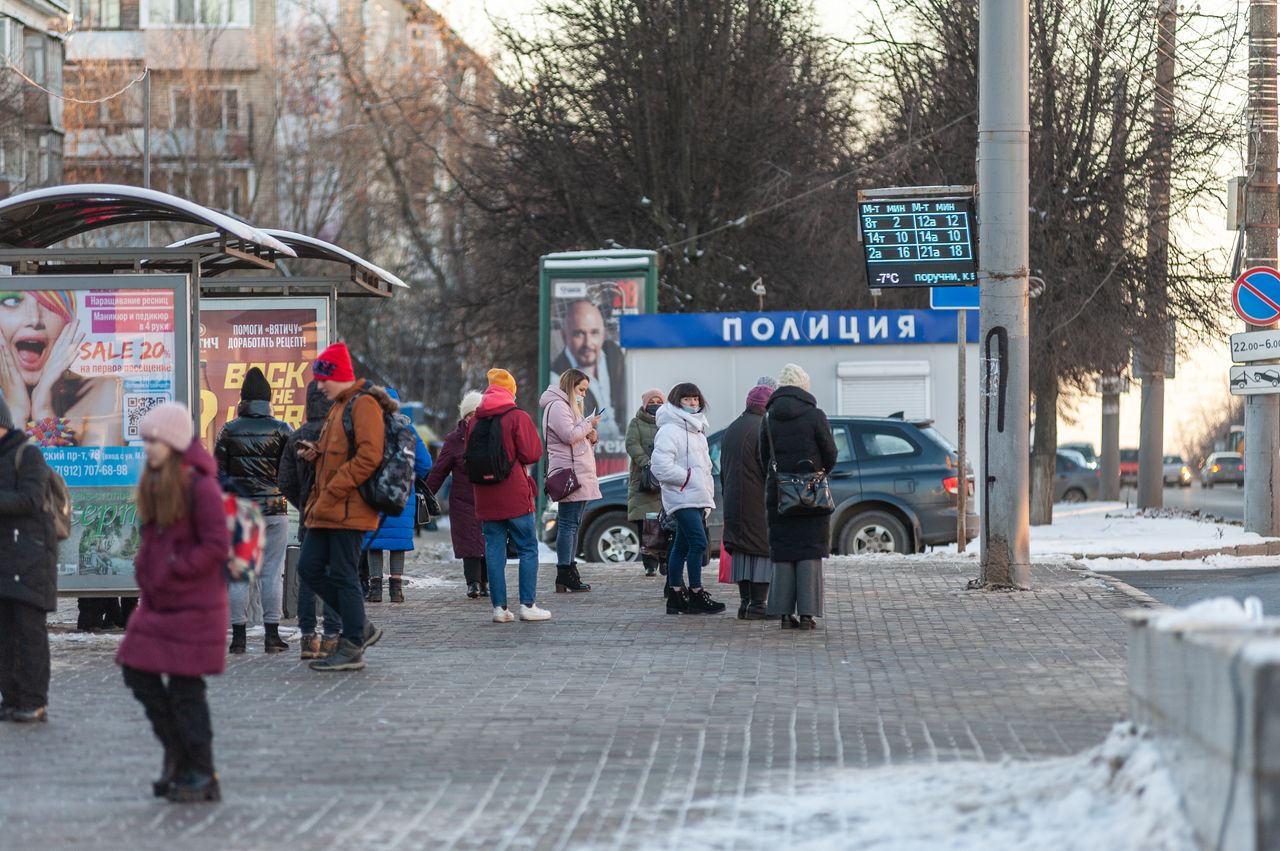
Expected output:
(44, 217)
(365, 274)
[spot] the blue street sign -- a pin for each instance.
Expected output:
(1256, 296)
(953, 298)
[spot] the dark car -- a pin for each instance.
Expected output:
(895, 485)
(1223, 468)
(1074, 480)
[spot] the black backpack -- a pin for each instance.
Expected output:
(485, 458)
(388, 489)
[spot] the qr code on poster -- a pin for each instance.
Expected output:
(135, 408)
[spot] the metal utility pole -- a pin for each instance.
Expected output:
(1003, 174)
(962, 461)
(1111, 386)
(1156, 343)
(146, 144)
(1261, 413)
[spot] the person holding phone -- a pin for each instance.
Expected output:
(571, 438)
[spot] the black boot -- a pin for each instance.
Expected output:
(790, 622)
(397, 589)
(273, 643)
(567, 579)
(374, 595)
(700, 603)
(650, 565)
(582, 586)
(677, 601)
(238, 644)
(473, 590)
(744, 599)
(484, 588)
(197, 781)
(168, 771)
(759, 596)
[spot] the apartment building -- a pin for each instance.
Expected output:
(31, 120)
(212, 102)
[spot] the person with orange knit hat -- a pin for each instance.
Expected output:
(504, 492)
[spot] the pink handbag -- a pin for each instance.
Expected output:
(726, 566)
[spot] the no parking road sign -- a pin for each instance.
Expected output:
(1256, 296)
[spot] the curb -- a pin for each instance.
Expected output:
(1142, 598)
(1265, 548)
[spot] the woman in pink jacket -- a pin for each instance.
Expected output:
(571, 443)
(179, 629)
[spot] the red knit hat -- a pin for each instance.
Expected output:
(334, 364)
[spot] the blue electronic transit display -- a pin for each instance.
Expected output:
(918, 242)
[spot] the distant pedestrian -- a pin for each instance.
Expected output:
(248, 452)
(641, 431)
(336, 515)
(29, 581)
(297, 476)
(504, 435)
(801, 436)
(571, 438)
(682, 463)
(745, 526)
(464, 528)
(394, 536)
(181, 619)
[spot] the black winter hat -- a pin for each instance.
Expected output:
(256, 388)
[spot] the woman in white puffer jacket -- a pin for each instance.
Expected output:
(682, 464)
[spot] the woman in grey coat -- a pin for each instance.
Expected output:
(799, 432)
(640, 434)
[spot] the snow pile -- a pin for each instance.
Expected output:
(1216, 611)
(1099, 528)
(1115, 797)
(1213, 562)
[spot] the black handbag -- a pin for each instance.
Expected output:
(799, 494)
(648, 481)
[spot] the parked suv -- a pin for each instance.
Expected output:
(895, 485)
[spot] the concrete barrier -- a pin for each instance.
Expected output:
(1210, 693)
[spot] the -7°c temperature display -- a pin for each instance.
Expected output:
(918, 242)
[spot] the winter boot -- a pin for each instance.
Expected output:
(790, 622)
(484, 589)
(374, 594)
(677, 601)
(273, 643)
(744, 599)
(397, 589)
(348, 657)
(650, 565)
(473, 590)
(807, 622)
(328, 646)
(168, 771)
(582, 586)
(700, 603)
(238, 643)
(310, 646)
(567, 579)
(198, 782)
(759, 596)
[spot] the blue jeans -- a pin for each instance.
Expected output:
(567, 523)
(307, 602)
(688, 548)
(329, 564)
(521, 530)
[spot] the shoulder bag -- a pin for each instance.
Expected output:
(799, 494)
(562, 483)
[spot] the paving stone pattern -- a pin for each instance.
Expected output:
(611, 726)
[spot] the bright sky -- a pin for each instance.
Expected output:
(1201, 382)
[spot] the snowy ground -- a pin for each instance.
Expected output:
(1115, 797)
(1218, 562)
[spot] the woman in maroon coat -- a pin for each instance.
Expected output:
(180, 625)
(464, 528)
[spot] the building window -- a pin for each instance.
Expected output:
(35, 58)
(207, 13)
(11, 40)
(99, 14)
(208, 109)
(222, 186)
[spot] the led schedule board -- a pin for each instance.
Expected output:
(918, 241)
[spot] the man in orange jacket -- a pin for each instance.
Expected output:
(336, 517)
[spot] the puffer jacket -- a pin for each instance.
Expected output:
(641, 431)
(514, 496)
(28, 544)
(335, 501)
(681, 460)
(180, 625)
(396, 532)
(297, 474)
(248, 452)
(567, 444)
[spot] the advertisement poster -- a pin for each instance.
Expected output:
(279, 336)
(79, 368)
(585, 334)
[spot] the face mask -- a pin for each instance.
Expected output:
(581, 399)
(652, 410)
(690, 409)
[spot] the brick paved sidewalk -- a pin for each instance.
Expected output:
(611, 726)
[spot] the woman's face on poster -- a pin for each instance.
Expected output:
(29, 330)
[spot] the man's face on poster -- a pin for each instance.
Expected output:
(583, 333)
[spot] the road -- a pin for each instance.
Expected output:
(1225, 501)
(1184, 587)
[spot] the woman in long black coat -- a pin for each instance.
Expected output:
(746, 532)
(799, 432)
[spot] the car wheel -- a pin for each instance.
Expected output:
(612, 539)
(874, 532)
(1074, 495)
